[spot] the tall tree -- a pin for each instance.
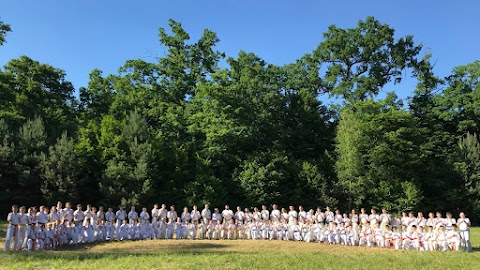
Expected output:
(358, 62)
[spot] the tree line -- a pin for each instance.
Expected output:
(198, 127)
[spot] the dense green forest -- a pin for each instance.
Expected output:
(198, 127)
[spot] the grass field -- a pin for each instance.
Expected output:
(187, 254)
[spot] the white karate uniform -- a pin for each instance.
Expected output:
(12, 229)
(464, 226)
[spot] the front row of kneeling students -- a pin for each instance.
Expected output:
(413, 237)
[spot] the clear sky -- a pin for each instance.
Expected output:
(78, 36)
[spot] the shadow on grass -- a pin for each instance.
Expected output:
(81, 252)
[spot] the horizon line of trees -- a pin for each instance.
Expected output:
(185, 130)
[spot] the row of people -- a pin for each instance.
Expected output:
(81, 226)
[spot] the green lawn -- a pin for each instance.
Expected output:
(185, 254)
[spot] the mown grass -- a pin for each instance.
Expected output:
(186, 254)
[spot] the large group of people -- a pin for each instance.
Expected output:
(50, 228)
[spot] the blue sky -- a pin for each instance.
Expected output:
(78, 36)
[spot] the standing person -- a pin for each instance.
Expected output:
(195, 215)
(302, 215)
(239, 215)
(464, 226)
(265, 213)
(162, 213)
(227, 214)
(363, 217)
(132, 215)
(42, 217)
(329, 216)
(22, 229)
(186, 215)
(216, 217)
(354, 218)
(68, 212)
(88, 214)
(12, 228)
(144, 216)
(78, 217)
(275, 215)
(172, 214)
(120, 216)
(155, 213)
(319, 217)
(449, 221)
(292, 215)
(206, 215)
(384, 219)
(100, 214)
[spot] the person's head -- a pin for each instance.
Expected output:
(179, 219)
(68, 205)
(384, 211)
(395, 215)
(419, 215)
(155, 206)
(362, 210)
(430, 228)
(274, 206)
(216, 210)
(404, 214)
(431, 215)
(59, 205)
(439, 215)
(328, 209)
(337, 212)
(94, 209)
(22, 210)
(124, 221)
(227, 206)
(373, 211)
(15, 208)
(79, 207)
(291, 208)
(132, 208)
(206, 206)
(394, 229)
(100, 208)
(185, 209)
(413, 228)
(354, 212)
(172, 207)
(195, 208)
(411, 215)
(110, 209)
(53, 209)
(239, 208)
(255, 209)
(462, 215)
(144, 209)
(454, 227)
(420, 228)
(89, 207)
(449, 215)
(164, 206)
(345, 215)
(300, 208)
(442, 229)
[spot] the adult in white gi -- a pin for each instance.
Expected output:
(12, 228)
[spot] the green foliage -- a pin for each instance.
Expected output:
(60, 171)
(184, 130)
(4, 29)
